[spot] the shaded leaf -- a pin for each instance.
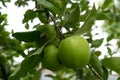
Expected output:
(98, 53)
(83, 16)
(96, 64)
(37, 75)
(105, 73)
(112, 63)
(27, 65)
(89, 21)
(118, 78)
(47, 30)
(84, 4)
(43, 17)
(118, 43)
(30, 36)
(27, 25)
(97, 43)
(90, 76)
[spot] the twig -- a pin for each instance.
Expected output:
(57, 28)
(95, 73)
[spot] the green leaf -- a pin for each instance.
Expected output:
(109, 51)
(61, 4)
(27, 65)
(27, 25)
(29, 15)
(102, 16)
(110, 37)
(83, 16)
(105, 73)
(97, 43)
(3, 17)
(112, 63)
(43, 17)
(98, 53)
(49, 6)
(107, 3)
(96, 64)
(73, 18)
(47, 30)
(89, 21)
(37, 75)
(30, 36)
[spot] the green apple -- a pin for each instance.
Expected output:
(50, 58)
(74, 52)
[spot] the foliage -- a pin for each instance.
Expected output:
(54, 17)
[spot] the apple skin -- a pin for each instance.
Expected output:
(74, 52)
(50, 59)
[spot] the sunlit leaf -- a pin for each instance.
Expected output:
(29, 15)
(107, 3)
(73, 18)
(3, 17)
(89, 21)
(61, 4)
(49, 6)
(112, 63)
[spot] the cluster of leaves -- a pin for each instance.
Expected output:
(55, 16)
(112, 25)
(9, 48)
